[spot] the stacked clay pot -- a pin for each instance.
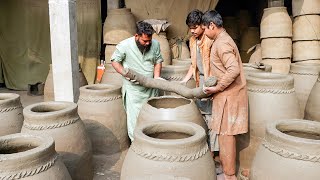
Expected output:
(305, 76)
(249, 38)
(313, 104)
(154, 155)
(11, 118)
(276, 43)
(27, 157)
(166, 108)
(119, 24)
(255, 68)
(180, 50)
(290, 150)
(111, 76)
(49, 88)
(271, 97)
(61, 121)
(306, 30)
(164, 47)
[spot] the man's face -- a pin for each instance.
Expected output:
(210, 31)
(196, 30)
(143, 42)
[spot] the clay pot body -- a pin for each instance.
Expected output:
(290, 151)
(276, 48)
(166, 108)
(101, 108)
(249, 38)
(256, 56)
(61, 121)
(120, 24)
(313, 104)
(113, 4)
(281, 66)
(153, 156)
(271, 97)
(164, 47)
(275, 22)
(306, 28)
(181, 62)
(180, 50)
(305, 7)
(49, 89)
(305, 76)
(30, 157)
(11, 118)
(109, 50)
(306, 50)
(111, 76)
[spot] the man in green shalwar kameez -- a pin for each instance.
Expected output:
(141, 54)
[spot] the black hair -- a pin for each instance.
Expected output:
(194, 18)
(212, 16)
(144, 28)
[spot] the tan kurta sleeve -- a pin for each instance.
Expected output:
(229, 60)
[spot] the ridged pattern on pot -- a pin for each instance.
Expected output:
(231, 26)
(289, 144)
(306, 28)
(306, 50)
(159, 155)
(11, 118)
(49, 89)
(305, 76)
(37, 161)
(302, 7)
(120, 24)
(109, 50)
(275, 22)
(111, 76)
(276, 48)
(60, 120)
(281, 66)
(164, 47)
(271, 97)
(181, 62)
(101, 107)
(313, 104)
(166, 108)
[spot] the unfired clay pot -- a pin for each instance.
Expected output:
(249, 38)
(61, 121)
(275, 22)
(180, 50)
(101, 108)
(305, 50)
(11, 118)
(280, 66)
(166, 108)
(300, 7)
(111, 76)
(312, 111)
(109, 50)
(153, 156)
(120, 24)
(276, 48)
(305, 76)
(306, 28)
(164, 47)
(271, 97)
(29, 157)
(256, 68)
(290, 150)
(181, 62)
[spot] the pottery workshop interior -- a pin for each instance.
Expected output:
(160, 89)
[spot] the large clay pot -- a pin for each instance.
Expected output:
(112, 4)
(306, 50)
(109, 50)
(111, 76)
(167, 108)
(276, 48)
(11, 118)
(303, 7)
(101, 108)
(281, 66)
(164, 47)
(305, 76)
(153, 155)
(180, 50)
(61, 121)
(275, 22)
(313, 104)
(49, 89)
(306, 28)
(249, 38)
(181, 62)
(271, 97)
(120, 24)
(30, 157)
(290, 151)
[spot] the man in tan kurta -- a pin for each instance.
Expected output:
(230, 99)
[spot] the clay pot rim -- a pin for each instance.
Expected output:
(274, 8)
(197, 131)
(110, 88)
(8, 97)
(167, 97)
(293, 143)
(263, 78)
(64, 109)
(44, 146)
